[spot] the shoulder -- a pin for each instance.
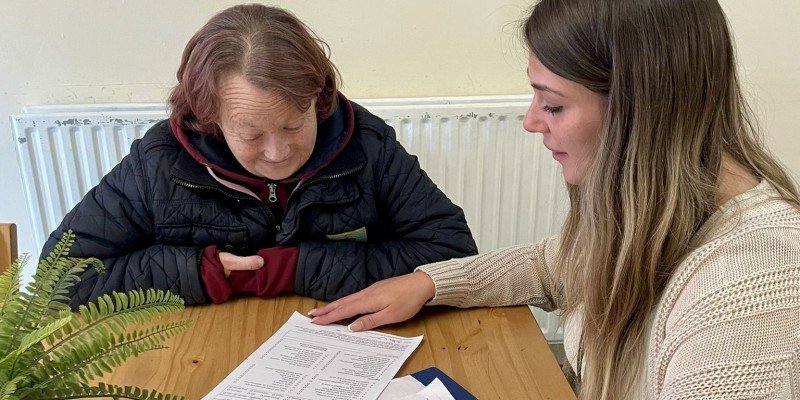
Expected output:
(369, 126)
(732, 304)
(758, 244)
(151, 157)
(159, 138)
(760, 241)
(376, 139)
(157, 148)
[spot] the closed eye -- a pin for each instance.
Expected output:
(552, 109)
(249, 138)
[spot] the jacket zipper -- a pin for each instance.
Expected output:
(267, 212)
(273, 192)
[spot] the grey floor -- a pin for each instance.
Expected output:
(558, 351)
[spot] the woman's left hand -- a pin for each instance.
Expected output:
(388, 301)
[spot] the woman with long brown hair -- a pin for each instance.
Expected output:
(678, 265)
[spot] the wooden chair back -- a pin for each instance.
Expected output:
(8, 245)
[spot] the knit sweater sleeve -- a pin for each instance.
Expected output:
(511, 276)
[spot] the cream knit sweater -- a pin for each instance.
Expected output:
(727, 325)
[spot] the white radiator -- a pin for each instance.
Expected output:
(474, 148)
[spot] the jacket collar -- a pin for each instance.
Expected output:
(212, 153)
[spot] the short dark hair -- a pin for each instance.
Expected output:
(270, 47)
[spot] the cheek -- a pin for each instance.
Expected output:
(305, 141)
(245, 153)
(593, 139)
(584, 138)
(588, 144)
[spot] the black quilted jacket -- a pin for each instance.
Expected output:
(152, 215)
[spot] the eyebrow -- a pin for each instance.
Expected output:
(543, 88)
(243, 122)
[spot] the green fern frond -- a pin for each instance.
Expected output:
(9, 282)
(61, 249)
(83, 361)
(69, 275)
(53, 290)
(31, 339)
(135, 307)
(62, 351)
(37, 302)
(9, 389)
(9, 301)
(103, 390)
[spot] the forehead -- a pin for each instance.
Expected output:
(539, 75)
(244, 103)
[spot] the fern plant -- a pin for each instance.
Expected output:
(49, 352)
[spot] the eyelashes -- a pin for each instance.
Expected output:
(552, 109)
(249, 138)
(293, 129)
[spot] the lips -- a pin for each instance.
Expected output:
(555, 151)
(276, 163)
(557, 155)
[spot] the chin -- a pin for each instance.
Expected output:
(570, 177)
(278, 174)
(283, 170)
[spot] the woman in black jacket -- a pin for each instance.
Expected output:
(265, 179)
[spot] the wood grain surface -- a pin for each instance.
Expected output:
(495, 353)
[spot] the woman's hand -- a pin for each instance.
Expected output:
(388, 301)
(231, 262)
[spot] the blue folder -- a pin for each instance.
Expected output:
(426, 376)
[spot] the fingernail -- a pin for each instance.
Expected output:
(314, 319)
(311, 312)
(354, 326)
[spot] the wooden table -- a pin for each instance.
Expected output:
(495, 353)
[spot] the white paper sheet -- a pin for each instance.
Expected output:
(303, 361)
(401, 387)
(436, 390)
(408, 388)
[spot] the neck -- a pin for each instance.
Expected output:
(734, 179)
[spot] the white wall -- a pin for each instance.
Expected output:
(98, 51)
(767, 34)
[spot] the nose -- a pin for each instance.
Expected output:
(532, 122)
(275, 149)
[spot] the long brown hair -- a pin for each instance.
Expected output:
(270, 47)
(674, 108)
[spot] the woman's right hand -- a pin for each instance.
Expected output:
(388, 301)
(231, 262)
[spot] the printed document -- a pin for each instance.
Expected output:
(304, 361)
